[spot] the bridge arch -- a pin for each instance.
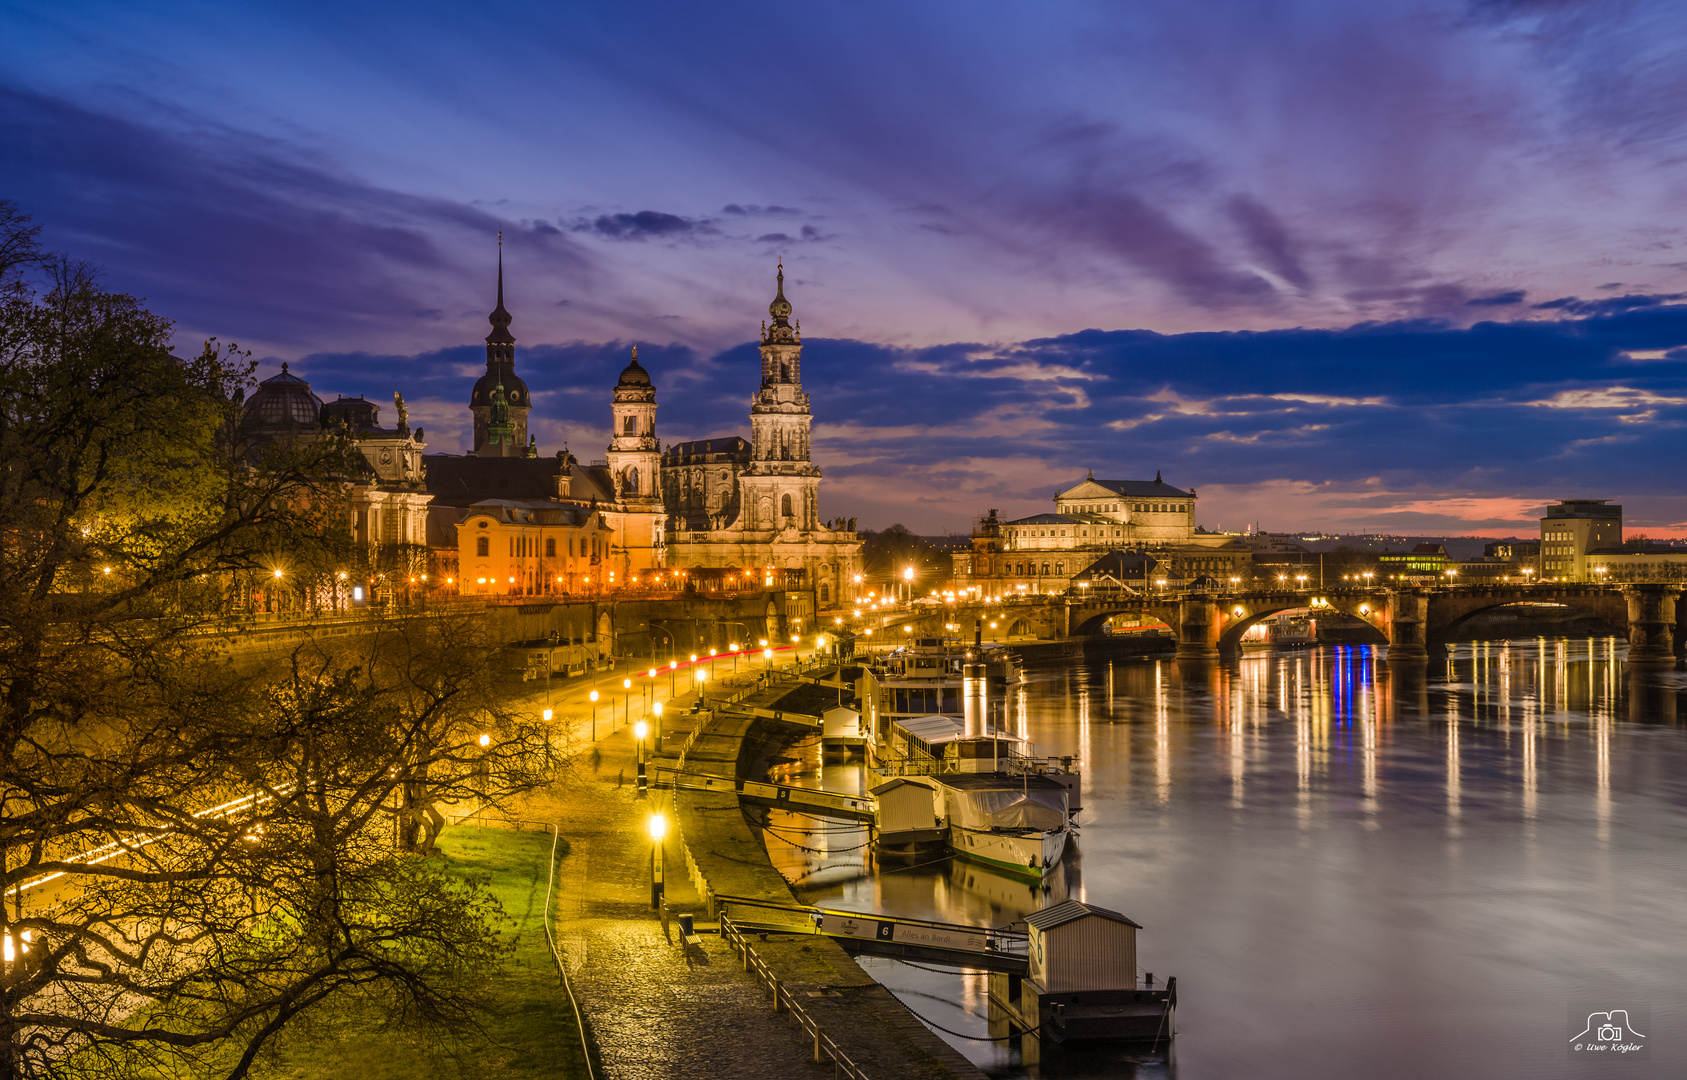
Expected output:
(1612, 610)
(1373, 615)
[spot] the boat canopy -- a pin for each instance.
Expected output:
(1004, 803)
(933, 730)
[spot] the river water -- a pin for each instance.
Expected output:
(1353, 871)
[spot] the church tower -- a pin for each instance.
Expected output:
(780, 485)
(634, 454)
(511, 438)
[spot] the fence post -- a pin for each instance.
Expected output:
(776, 995)
(817, 1058)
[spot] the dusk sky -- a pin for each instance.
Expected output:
(1382, 266)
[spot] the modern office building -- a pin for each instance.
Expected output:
(1571, 530)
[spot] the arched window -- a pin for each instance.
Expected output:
(785, 506)
(550, 547)
(1045, 568)
(629, 484)
(825, 592)
(1060, 568)
(482, 546)
(629, 425)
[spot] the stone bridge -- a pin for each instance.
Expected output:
(1416, 623)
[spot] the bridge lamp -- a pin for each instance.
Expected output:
(1363, 610)
(1239, 613)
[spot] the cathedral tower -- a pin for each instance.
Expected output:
(781, 484)
(634, 455)
(500, 370)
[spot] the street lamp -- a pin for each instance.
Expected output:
(640, 730)
(594, 715)
(658, 826)
(656, 742)
(702, 677)
(626, 692)
(673, 666)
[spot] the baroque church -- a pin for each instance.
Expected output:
(720, 504)
(756, 503)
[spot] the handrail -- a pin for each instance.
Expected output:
(561, 970)
(824, 1045)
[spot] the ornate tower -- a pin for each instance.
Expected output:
(634, 455)
(500, 369)
(780, 485)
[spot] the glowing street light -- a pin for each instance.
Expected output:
(640, 731)
(658, 829)
(594, 715)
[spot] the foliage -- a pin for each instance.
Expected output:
(885, 554)
(200, 846)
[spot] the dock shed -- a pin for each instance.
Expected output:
(1078, 946)
(905, 807)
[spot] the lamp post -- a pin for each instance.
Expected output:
(673, 667)
(656, 742)
(626, 692)
(594, 715)
(640, 730)
(702, 677)
(658, 826)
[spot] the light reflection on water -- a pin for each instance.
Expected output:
(1352, 870)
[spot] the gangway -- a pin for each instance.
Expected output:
(812, 801)
(983, 948)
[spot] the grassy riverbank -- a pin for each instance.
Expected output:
(531, 1030)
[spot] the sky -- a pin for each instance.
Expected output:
(1404, 267)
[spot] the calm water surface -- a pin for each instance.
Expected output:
(1353, 871)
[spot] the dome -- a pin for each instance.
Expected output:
(634, 374)
(284, 401)
(514, 389)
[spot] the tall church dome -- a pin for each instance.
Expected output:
(281, 403)
(634, 374)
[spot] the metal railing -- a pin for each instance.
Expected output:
(824, 1045)
(556, 955)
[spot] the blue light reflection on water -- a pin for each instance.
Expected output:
(1353, 870)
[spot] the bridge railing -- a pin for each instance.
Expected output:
(824, 1045)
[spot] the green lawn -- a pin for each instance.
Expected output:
(531, 1032)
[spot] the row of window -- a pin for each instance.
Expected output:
(527, 547)
(1135, 508)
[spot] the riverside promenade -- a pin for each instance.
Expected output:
(655, 1007)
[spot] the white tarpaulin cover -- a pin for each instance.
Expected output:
(1006, 808)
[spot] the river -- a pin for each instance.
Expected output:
(1353, 871)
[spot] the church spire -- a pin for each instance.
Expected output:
(500, 318)
(780, 331)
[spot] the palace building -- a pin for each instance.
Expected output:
(1094, 519)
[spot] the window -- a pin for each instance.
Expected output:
(629, 483)
(825, 592)
(1060, 568)
(1045, 568)
(785, 506)
(482, 546)
(629, 425)
(550, 548)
